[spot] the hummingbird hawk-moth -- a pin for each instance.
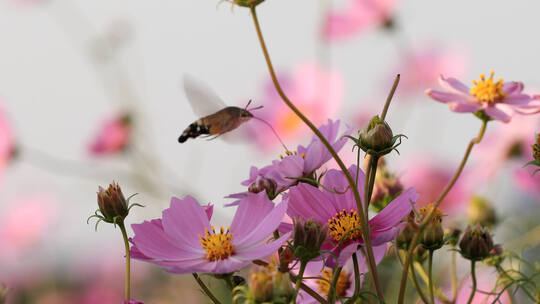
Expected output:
(204, 100)
(223, 118)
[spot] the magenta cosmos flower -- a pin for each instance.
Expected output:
(6, 140)
(316, 91)
(113, 136)
(499, 100)
(183, 241)
(301, 163)
(357, 16)
(341, 214)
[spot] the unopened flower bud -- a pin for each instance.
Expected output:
(482, 212)
(260, 284)
(377, 135)
(247, 3)
(433, 236)
(452, 235)
(263, 183)
(536, 148)
(476, 243)
(112, 203)
(308, 237)
(496, 256)
(283, 289)
(420, 253)
(406, 235)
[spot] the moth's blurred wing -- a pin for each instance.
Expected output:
(203, 100)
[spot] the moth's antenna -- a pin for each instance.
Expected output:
(271, 128)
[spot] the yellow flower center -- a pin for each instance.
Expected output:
(437, 214)
(342, 285)
(287, 153)
(486, 90)
(345, 225)
(219, 245)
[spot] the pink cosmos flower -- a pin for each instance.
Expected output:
(6, 140)
(113, 137)
(341, 214)
(345, 285)
(183, 241)
(17, 233)
(512, 141)
(357, 16)
(430, 178)
(420, 68)
(301, 163)
(486, 280)
(317, 92)
(499, 100)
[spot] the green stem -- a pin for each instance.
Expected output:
(430, 276)
(454, 276)
(128, 271)
(332, 292)
(369, 183)
(363, 223)
(299, 280)
(205, 289)
(473, 276)
(356, 281)
(428, 216)
(417, 286)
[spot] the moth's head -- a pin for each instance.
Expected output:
(245, 115)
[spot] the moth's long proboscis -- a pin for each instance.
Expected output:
(273, 131)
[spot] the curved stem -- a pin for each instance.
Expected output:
(473, 276)
(430, 276)
(332, 292)
(363, 223)
(128, 271)
(454, 276)
(428, 216)
(299, 280)
(417, 286)
(205, 289)
(356, 275)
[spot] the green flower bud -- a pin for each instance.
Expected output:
(377, 135)
(260, 284)
(308, 238)
(480, 211)
(112, 203)
(433, 236)
(476, 243)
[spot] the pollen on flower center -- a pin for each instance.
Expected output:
(486, 90)
(287, 153)
(344, 225)
(437, 214)
(219, 245)
(342, 285)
